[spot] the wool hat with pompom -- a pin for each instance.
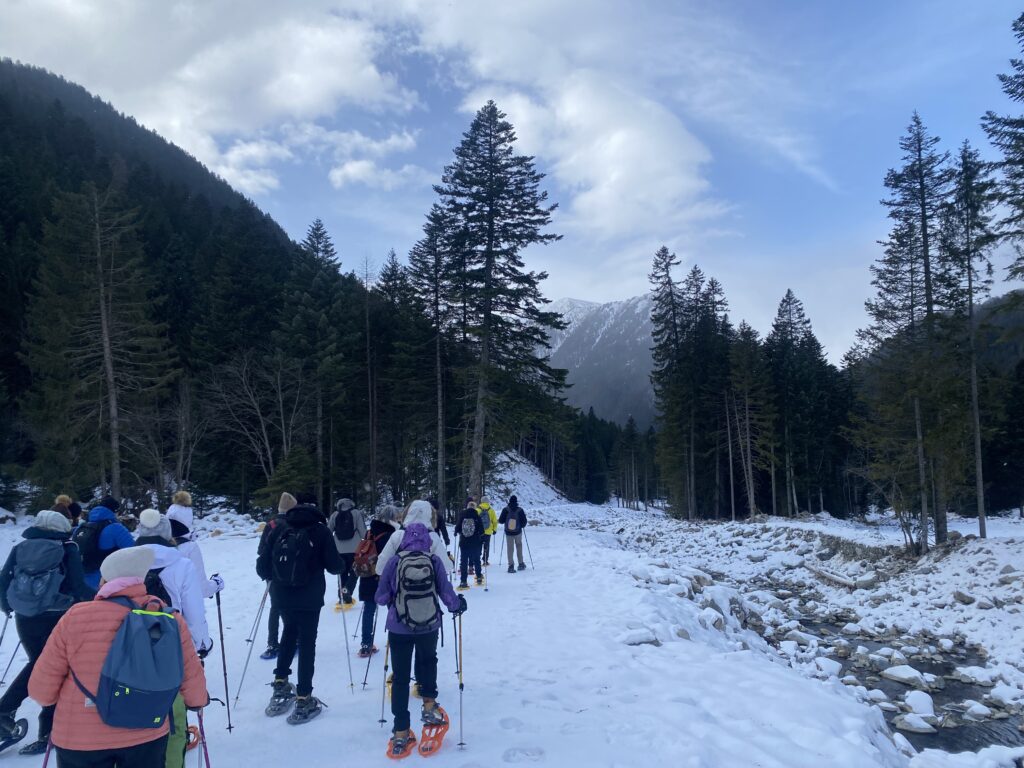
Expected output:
(132, 562)
(51, 520)
(154, 525)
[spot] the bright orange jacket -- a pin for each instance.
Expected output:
(82, 639)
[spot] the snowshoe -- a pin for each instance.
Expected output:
(12, 731)
(511, 569)
(306, 708)
(463, 586)
(522, 566)
(435, 726)
(479, 581)
(401, 747)
(37, 747)
(282, 699)
(270, 653)
(414, 691)
(366, 651)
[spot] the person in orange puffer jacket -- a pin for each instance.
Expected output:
(82, 639)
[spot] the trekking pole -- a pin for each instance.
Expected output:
(202, 738)
(3, 634)
(348, 655)
(224, 662)
(369, 658)
(3, 681)
(49, 749)
(384, 684)
(359, 621)
(252, 643)
(527, 540)
(501, 554)
(462, 687)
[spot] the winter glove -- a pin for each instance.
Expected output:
(204, 651)
(463, 607)
(218, 582)
(201, 707)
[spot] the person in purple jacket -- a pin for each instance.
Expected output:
(411, 586)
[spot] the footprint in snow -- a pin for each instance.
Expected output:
(523, 755)
(511, 724)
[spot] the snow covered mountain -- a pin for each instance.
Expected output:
(607, 350)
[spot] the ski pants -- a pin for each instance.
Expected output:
(348, 578)
(402, 649)
(470, 551)
(369, 614)
(273, 625)
(485, 548)
(177, 739)
(33, 631)
(514, 542)
(151, 754)
(298, 635)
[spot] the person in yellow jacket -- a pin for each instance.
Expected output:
(489, 518)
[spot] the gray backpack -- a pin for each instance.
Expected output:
(416, 596)
(38, 574)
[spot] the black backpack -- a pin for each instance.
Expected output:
(87, 537)
(344, 525)
(155, 586)
(293, 556)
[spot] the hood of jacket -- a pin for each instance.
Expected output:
(98, 514)
(164, 555)
(45, 533)
(420, 512)
(182, 514)
(303, 515)
(416, 538)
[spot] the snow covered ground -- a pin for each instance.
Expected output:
(612, 653)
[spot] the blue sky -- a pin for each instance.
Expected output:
(751, 137)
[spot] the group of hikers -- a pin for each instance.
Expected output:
(400, 562)
(114, 624)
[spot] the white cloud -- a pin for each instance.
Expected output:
(370, 174)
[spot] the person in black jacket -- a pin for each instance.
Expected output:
(381, 528)
(442, 526)
(470, 545)
(274, 622)
(296, 555)
(513, 519)
(34, 628)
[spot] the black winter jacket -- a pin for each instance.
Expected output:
(310, 596)
(506, 515)
(74, 574)
(368, 584)
(470, 540)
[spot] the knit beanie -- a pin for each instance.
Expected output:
(287, 502)
(51, 520)
(132, 562)
(345, 505)
(484, 500)
(513, 500)
(110, 503)
(153, 525)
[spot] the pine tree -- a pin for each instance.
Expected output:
(751, 399)
(494, 199)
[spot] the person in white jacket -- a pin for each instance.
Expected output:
(183, 590)
(181, 517)
(419, 511)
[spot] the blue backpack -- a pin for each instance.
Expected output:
(143, 670)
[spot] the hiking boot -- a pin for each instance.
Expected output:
(8, 726)
(479, 580)
(511, 569)
(401, 744)
(522, 566)
(366, 650)
(282, 698)
(306, 708)
(346, 597)
(432, 715)
(486, 563)
(270, 653)
(463, 584)
(37, 747)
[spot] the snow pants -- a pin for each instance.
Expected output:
(348, 578)
(147, 755)
(33, 631)
(470, 552)
(485, 548)
(298, 635)
(369, 614)
(273, 625)
(403, 647)
(514, 542)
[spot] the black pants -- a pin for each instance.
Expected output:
(299, 633)
(33, 632)
(152, 754)
(369, 614)
(485, 548)
(273, 625)
(470, 551)
(402, 647)
(348, 577)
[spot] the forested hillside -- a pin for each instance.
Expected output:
(158, 331)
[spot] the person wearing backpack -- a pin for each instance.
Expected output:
(514, 520)
(286, 502)
(489, 520)
(181, 518)
(99, 536)
(419, 511)
(470, 530)
(174, 580)
(41, 579)
(411, 586)
(349, 529)
(99, 647)
(365, 565)
(298, 552)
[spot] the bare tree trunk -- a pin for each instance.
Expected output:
(692, 485)
(442, 504)
(732, 483)
(371, 400)
(113, 413)
(476, 468)
(922, 477)
(320, 485)
(979, 475)
(774, 492)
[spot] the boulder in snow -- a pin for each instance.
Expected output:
(912, 723)
(920, 703)
(906, 674)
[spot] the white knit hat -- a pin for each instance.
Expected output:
(50, 520)
(133, 562)
(152, 523)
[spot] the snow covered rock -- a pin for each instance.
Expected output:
(906, 674)
(978, 675)
(827, 667)
(975, 710)
(962, 597)
(912, 723)
(920, 703)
